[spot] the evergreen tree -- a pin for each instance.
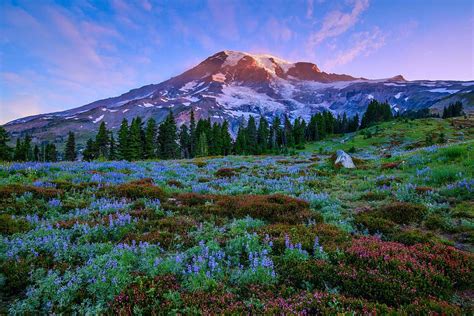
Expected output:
(123, 150)
(70, 151)
(226, 139)
(167, 137)
(36, 153)
(192, 135)
(453, 110)
(202, 146)
(215, 141)
(240, 146)
(26, 148)
(112, 147)
(5, 150)
(288, 138)
(51, 153)
(102, 141)
(89, 152)
(376, 112)
(276, 134)
(136, 139)
(184, 141)
(150, 139)
(251, 136)
(298, 131)
(263, 135)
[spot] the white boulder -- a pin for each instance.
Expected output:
(344, 160)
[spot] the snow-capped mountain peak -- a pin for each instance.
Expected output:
(232, 85)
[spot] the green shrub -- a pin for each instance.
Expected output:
(10, 225)
(403, 212)
(436, 222)
(452, 153)
(372, 221)
(411, 236)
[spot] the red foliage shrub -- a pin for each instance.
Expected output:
(422, 190)
(395, 274)
(174, 183)
(143, 188)
(273, 208)
(391, 165)
(146, 294)
(17, 189)
(225, 173)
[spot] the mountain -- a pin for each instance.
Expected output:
(232, 85)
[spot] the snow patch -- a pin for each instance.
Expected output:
(263, 61)
(391, 84)
(236, 96)
(148, 105)
(189, 86)
(370, 97)
(97, 120)
(398, 95)
(443, 90)
(125, 111)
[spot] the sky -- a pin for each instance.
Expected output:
(57, 55)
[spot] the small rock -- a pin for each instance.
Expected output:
(344, 160)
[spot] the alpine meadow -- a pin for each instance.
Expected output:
(230, 180)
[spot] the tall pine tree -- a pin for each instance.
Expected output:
(70, 151)
(5, 150)
(167, 138)
(150, 139)
(123, 150)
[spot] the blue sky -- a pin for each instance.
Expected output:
(56, 55)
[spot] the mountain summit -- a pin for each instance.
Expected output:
(232, 85)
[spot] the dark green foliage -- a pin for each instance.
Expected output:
(136, 139)
(90, 152)
(123, 151)
(102, 141)
(375, 113)
(23, 150)
(112, 147)
(404, 213)
(453, 110)
(184, 141)
(167, 138)
(226, 140)
(50, 153)
(192, 135)
(150, 139)
(5, 150)
(202, 149)
(70, 152)
(10, 225)
(36, 153)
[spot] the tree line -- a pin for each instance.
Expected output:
(139, 140)
(453, 110)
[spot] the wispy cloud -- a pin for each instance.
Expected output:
(365, 43)
(309, 9)
(336, 22)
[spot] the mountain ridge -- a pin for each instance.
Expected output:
(231, 85)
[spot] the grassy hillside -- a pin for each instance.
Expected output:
(266, 234)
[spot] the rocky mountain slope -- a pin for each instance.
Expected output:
(233, 85)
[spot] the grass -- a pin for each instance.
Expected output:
(263, 234)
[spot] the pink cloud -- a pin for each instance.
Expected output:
(336, 22)
(365, 43)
